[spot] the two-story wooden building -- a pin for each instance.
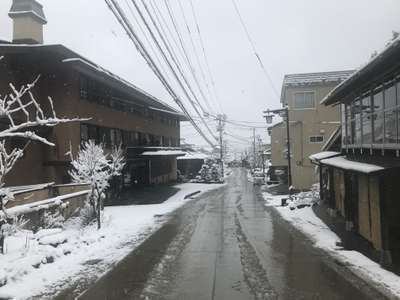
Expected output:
(119, 112)
(362, 184)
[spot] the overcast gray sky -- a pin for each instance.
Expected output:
(292, 36)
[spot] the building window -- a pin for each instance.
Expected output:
(343, 122)
(304, 100)
(316, 139)
(84, 133)
(356, 121)
(349, 138)
(378, 118)
(366, 111)
(93, 133)
(390, 115)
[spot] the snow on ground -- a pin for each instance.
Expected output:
(323, 238)
(52, 259)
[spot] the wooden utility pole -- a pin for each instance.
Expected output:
(221, 125)
(254, 148)
(284, 113)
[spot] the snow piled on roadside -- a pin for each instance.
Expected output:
(319, 233)
(52, 259)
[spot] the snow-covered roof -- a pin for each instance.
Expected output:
(193, 155)
(312, 78)
(84, 65)
(342, 162)
(164, 153)
(323, 155)
(390, 53)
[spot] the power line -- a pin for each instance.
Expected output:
(172, 17)
(127, 26)
(205, 55)
(161, 25)
(197, 57)
(174, 73)
(264, 69)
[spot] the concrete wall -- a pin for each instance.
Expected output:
(320, 121)
(34, 194)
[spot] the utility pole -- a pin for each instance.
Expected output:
(284, 113)
(254, 148)
(221, 126)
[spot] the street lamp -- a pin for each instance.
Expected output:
(284, 113)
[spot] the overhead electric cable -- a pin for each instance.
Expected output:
(127, 26)
(196, 55)
(205, 55)
(264, 69)
(146, 38)
(162, 25)
(169, 63)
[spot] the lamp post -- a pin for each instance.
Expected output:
(284, 113)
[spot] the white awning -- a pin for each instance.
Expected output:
(163, 153)
(343, 163)
(193, 155)
(323, 155)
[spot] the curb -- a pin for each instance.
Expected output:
(370, 288)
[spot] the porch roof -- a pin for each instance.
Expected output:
(366, 166)
(164, 153)
(317, 157)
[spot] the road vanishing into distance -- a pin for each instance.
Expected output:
(225, 245)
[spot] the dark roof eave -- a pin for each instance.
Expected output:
(388, 59)
(82, 64)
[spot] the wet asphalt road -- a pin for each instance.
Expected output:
(225, 245)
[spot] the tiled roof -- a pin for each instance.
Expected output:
(312, 78)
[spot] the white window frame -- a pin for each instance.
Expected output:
(304, 92)
(316, 136)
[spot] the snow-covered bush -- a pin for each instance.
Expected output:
(95, 167)
(210, 172)
(53, 219)
(23, 114)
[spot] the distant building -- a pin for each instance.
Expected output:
(361, 183)
(279, 164)
(119, 112)
(311, 124)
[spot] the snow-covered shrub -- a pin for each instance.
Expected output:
(95, 167)
(210, 172)
(87, 215)
(53, 219)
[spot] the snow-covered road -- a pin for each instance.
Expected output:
(33, 268)
(225, 245)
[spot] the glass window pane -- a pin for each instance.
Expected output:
(366, 105)
(84, 133)
(378, 102)
(343, 122)
(304, 100)
(390, 97)
(378, 127)
(357, 121)
(367, 129)
(348, 124)
(390, 126)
